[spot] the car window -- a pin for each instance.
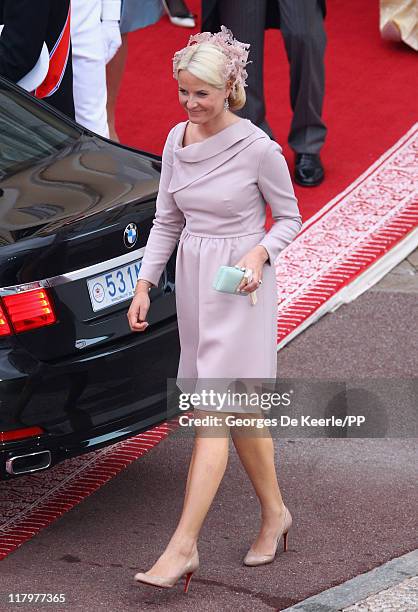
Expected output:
(28, 132)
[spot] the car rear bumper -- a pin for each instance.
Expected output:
(89, 401)
(36, 454)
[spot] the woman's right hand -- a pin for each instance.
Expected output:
(138, 310)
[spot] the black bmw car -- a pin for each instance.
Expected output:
(75, 214)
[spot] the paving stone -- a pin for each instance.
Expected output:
(403, 278)
(400, 598)
(405, 267)
(413, 259)
(398, 283)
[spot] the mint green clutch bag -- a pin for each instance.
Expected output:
(227, 279)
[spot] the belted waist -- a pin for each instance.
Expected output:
(223, 236)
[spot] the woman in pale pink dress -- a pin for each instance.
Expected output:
(218, 172)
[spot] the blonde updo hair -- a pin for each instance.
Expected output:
(206, 62)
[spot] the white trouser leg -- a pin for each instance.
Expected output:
(89, 67)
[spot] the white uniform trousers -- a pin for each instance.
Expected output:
(89, 66)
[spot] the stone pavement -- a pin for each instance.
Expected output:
(403, 596)
(392, 587)
(404, 277)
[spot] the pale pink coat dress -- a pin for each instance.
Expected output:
(212, 198)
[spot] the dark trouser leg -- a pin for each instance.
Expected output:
(246, 20)
(302, 27)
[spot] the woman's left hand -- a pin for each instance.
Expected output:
(253, 260)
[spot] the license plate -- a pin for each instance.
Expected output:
(113, 286)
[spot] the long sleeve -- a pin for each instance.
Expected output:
(167, 225)
(276, 186)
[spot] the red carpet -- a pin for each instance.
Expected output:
(370, 99)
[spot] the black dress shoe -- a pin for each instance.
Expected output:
(309, 171)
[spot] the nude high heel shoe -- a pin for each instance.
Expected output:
(253, 558)
(166, 583)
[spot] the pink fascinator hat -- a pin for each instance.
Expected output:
(236, 54)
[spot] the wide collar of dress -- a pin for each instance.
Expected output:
(194, 161)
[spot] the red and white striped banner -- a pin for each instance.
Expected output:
(348, 236)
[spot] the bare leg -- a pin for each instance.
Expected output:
(256, 452)
(206, 470)
(114, 74)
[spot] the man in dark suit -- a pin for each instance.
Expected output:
(302, 28)
(27, 25)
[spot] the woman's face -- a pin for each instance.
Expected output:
(202, 102)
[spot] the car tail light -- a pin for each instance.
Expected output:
(4, 324)
(29, 309)
(18, 434)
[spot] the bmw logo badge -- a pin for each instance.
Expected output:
(130, 235)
